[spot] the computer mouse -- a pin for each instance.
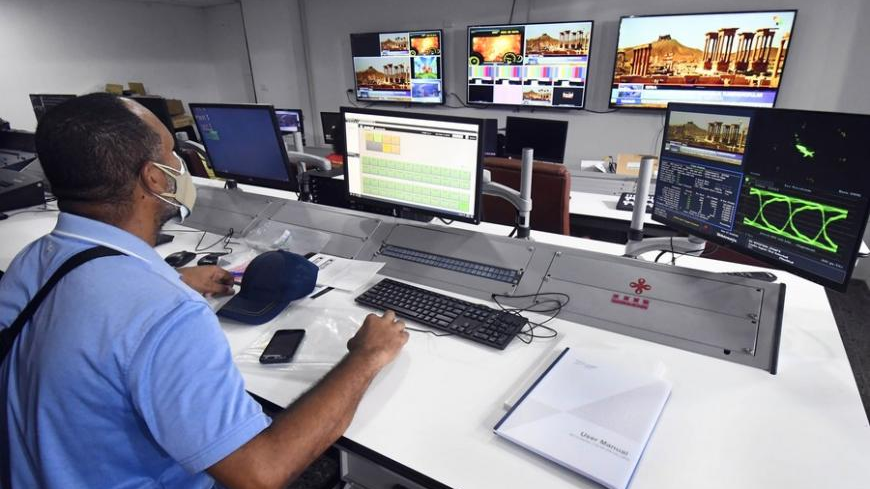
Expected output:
(210, 259)
(180, 258)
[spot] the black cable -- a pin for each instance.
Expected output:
(225, 239)
(599, 111)
(461, 102)
(656, 142)
(511, 18)
(446, 221)
(535, 307)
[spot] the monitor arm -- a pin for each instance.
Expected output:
(305, 162)
(522, 199)
(197, 147)
(636, 244)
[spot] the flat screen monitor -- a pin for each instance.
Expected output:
(490, 137)
(418, 162)
(719, 58)
(398, 66)
(538, 65)
(547, 137)
(244, 143)
(42, 103)
(158, 106)
(289, 120)
(789, 187)
(330, 121)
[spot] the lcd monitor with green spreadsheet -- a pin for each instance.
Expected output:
(414, 162)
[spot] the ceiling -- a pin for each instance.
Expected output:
(185, 3)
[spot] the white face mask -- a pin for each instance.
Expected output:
(185, 191)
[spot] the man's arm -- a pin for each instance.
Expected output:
(317, 419)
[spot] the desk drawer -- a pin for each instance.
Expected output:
(360, 473)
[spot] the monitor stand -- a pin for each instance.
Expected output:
(637, 244)
(412, 215)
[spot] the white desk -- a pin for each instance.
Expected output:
(725, 425)
(602, 206)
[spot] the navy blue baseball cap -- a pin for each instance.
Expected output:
(271, 281)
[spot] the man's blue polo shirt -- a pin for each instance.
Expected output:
(122, 379)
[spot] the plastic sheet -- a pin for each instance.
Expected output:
(271, 235)
(327, 331)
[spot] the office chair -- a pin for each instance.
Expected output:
(194, 160)
(551, 191)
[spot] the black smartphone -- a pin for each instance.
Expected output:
(282, 346)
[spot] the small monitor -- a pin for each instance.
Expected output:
(289, 120)
(490, 137)
(419, 162)
(546, 136)
(244, 143)
(537, 65)
(398, 66)
(790, 187)
(728, 58)
(330, 121)
(42, 103)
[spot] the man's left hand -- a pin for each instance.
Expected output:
(208, 279)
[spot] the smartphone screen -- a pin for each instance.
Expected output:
(282, 346)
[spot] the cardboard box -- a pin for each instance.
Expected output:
(629, 164)
(137, 88)
(175, 106)
(115, 88)
(183, 120)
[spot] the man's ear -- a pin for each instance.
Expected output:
(152, 178)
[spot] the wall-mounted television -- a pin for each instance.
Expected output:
(734, 58)
(398, 66)
(538, 65)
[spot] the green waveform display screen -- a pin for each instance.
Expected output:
(795, 208)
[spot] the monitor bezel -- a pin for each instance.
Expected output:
(507, 153)
(291, 185)
(745, 251)
(611, 105)
(478, 191)
(402, 102)
(532, 107)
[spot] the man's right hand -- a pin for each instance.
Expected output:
(314, 421)
(379, 339)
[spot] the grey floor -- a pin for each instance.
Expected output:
(852, 312)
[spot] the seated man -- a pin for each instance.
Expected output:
(123, 377)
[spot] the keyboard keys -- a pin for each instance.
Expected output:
(453, 264)
(479, 323)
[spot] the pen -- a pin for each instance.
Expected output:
(315, 296)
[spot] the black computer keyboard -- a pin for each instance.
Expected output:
(626, 202)
(476, 322)
(457, 265)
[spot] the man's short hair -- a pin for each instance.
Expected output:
(92, 149)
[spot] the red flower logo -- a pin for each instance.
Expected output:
(640, 286)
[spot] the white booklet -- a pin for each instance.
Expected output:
(593, 419)
(344, 274)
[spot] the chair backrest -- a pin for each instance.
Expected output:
(551, 191)
(194, 163)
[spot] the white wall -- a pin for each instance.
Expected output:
(228, 55)
(77, 46)
(277, 56)
(826, 47)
